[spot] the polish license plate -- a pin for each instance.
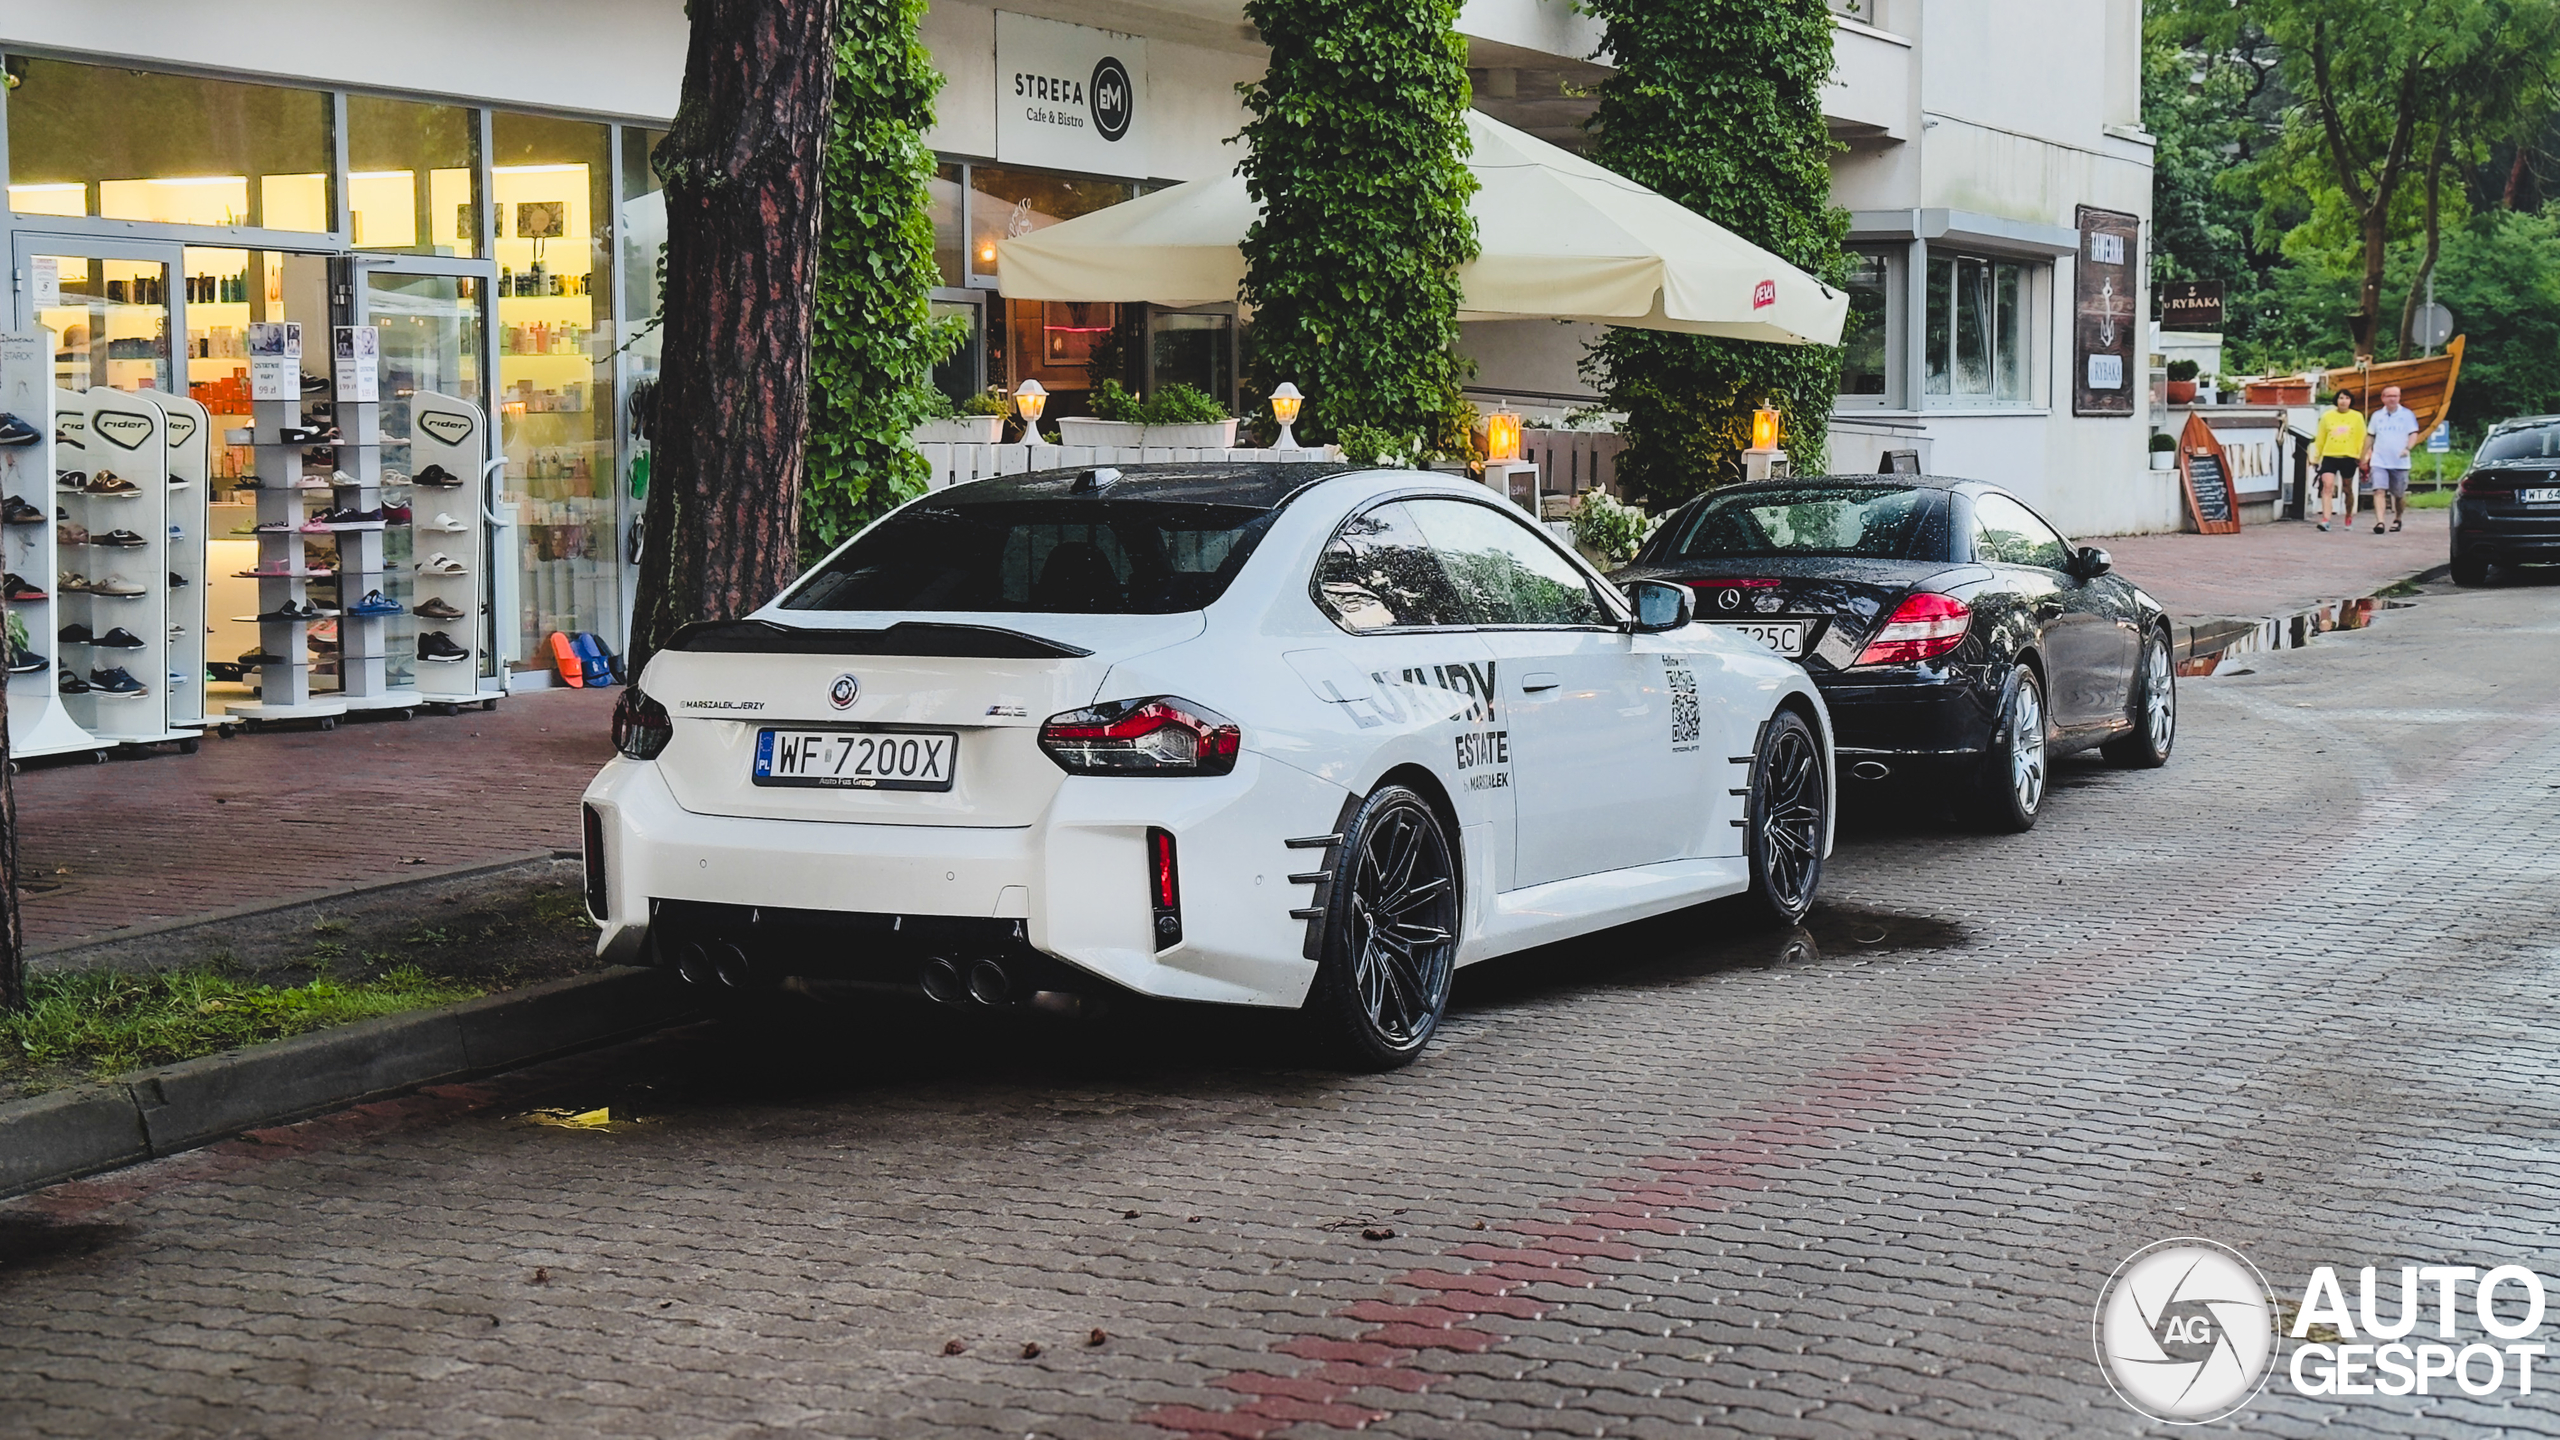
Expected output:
(2544, 496)
(857, 760)
(1784, 636)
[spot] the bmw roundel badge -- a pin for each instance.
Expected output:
(844, 692)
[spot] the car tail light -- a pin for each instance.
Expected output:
(595, 863)
(1924, 627)
(1160, 735)
(1164, 888)
(640, 725)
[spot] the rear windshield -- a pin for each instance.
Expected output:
(1042, 557)
(1835, 520)
(2540, 442)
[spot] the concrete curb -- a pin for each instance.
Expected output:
(85, 1129)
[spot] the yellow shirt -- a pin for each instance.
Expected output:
(2341, 432)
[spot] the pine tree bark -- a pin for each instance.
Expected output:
(741, 165)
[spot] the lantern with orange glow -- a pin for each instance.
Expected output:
(1501, 436)
(1029, 399)
(1764, 429)
(1285, 401)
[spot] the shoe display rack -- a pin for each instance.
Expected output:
(112, 553)
(449, 450)
(367, 615)
(188, 426)
(39, 724)
(286, 571)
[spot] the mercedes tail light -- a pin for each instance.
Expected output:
(1923, 627)
(1159, 735)
(640, 725)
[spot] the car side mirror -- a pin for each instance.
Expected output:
(2092, 562)
(1659, 606)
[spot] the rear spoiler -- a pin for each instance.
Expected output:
(923, 638)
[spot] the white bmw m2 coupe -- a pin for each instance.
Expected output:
(1280, 735)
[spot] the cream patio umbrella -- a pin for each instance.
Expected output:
(1561, 239)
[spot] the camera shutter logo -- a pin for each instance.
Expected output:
(1113, 98)
(844, 692)
(2185, 1332)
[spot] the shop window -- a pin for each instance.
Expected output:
(1006, 203)
(950, 241)
(960, 374)
(1866, 341)
(131, 145)
(1196, 350)
(552, 201)
(111, 324)
(412, 176)
(1978, 330)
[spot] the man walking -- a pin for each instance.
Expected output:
(2388, 434)
(2338, 444)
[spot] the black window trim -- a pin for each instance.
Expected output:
(1611, 602)
(1973, 524)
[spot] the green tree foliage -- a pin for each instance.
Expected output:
(1718, 105)
(875, 340)
(1358, 153)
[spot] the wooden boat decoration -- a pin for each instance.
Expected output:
(2426, 386)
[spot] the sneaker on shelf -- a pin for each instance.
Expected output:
(68, 682)
(306, 434)
(395, 514)
(436, 645)
(376, 603)
(14, 431)
(116, 681)
(248, 482)
(319, 524)
(272, 527)
(74, 633)
(439, 476)
(320, 644)
(68, 533)
(437, 609)
(314, 385)
(284, 614)
(17, 588)
(115, 585)
(252, 659)
(119, 540)
(15, 511)
(27, 662)
(108, 482)
(344, 480)
(441, 564)
(271, 570)
(119, 639)
(395, 477)
(71, 583)
(445, 524)
(177, 581)
(312, 482)
(177, 679)
(70, 479)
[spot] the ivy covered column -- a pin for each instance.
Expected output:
(1358, 156)
(875, 340)
(1718, 105)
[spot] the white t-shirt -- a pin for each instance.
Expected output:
(2391, 429)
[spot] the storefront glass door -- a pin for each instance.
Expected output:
(109, 308)
(434, 328)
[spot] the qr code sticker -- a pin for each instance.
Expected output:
(1684, 701)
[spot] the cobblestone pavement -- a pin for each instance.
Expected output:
(283, 813)
(2278, 568)
(2292, 993)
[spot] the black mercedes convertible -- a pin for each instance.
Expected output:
(1954, 634)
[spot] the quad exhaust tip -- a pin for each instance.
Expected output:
(988, 984)
(981, 982)
(941, 981)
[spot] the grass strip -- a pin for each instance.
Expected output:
(104, 1022)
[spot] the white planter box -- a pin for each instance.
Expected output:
(959, 430)
(2164, 459)
(1081, 430)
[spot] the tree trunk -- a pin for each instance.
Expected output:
(13, 935)
(2436, 158)
(741, 165)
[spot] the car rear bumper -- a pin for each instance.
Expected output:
(2508, 535)
(818, 898)
(1918, 715)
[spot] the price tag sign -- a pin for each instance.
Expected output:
(358, 351)
(275, 360)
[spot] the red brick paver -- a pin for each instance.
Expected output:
(288, 812)
(2275, 569)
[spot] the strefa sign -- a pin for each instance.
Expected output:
(1069, 97)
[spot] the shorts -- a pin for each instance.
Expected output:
(2385, 477)
(2343, 465)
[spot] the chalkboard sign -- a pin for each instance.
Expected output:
(2213, 489)
(2204, 472)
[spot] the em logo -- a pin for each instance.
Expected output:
(2185, 1332)
(1113, 99)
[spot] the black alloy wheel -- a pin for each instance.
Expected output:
(1390, 932)
(2009, 788)
(2470, 570)
(1787, 819)
(2154, 711)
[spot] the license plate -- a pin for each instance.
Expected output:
(856, 760)
(2539, 497)
(1785, 636)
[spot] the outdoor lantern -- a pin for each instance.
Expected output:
(1284, 408)
(1502, 436)
(1764, 429)
(1029, 399)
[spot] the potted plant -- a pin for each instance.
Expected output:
(978, 420)
(2164, 451)
(2182, 382)
(1176, 417)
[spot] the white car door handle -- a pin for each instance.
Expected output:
(1530, 684)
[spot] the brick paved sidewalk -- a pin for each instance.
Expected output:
(285, 813)
(2275, 569)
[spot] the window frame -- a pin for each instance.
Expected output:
(1974, 526)
(2034, 284)
(1896, 262)
(1612, 604)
